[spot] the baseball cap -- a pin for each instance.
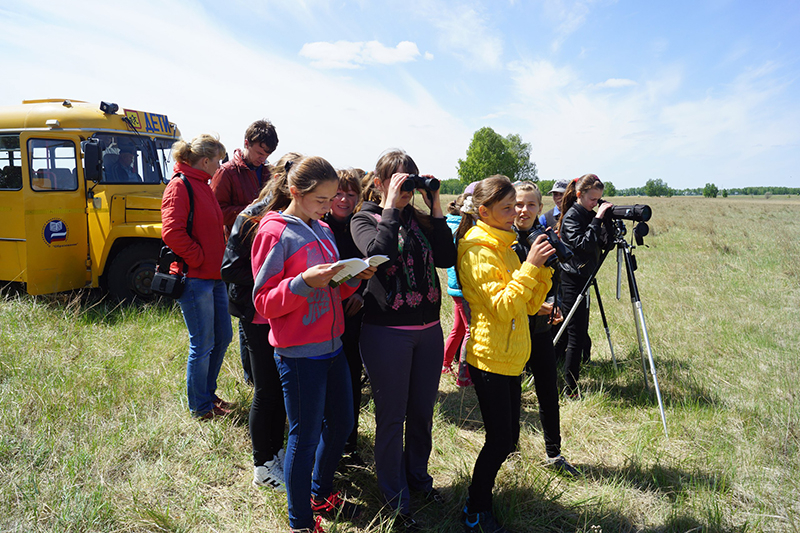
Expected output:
(559, 186)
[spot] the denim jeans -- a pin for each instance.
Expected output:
(204, 304)
(319, 405)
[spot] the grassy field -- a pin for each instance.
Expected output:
(95, 433)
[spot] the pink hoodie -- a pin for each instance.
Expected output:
(304, 322)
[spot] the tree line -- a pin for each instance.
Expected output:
(490, 153)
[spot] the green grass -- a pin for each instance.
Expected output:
(95, 433)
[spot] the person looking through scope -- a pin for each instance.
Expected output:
(586, 232)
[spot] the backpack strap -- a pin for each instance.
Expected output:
(190, 218)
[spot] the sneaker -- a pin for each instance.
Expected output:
(447, 370)
(334, 505)
(434, 496)
(270, 474)
(560, 464)
(316, 529)
(353, 459)
(406, 522)
(482, 523)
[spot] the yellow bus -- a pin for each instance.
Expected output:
(80, 195)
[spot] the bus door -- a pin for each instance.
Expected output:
(55, 213)
(12, 221)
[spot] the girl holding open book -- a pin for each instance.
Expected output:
(293, 263)
(401, 337)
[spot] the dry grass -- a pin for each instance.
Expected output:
(95, 434)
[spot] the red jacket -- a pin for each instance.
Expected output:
(236, 186)
(202, 251)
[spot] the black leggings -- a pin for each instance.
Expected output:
(499, 398)
(267, 413)
(577, 329)
(542, 365)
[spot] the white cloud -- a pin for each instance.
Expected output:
(463, 31)
(652, 130)
(568, 16)
(186, 66)
(614, 83)
(351, 55)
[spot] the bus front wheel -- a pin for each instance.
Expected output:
(131, 272)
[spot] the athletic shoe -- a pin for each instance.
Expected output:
(405, 522)
(334, 505)
(482, 523)
(353, 459)
(434, 496)
(316, 529)
(270, 474)
(560, 464)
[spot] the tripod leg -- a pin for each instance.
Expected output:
(640, 315)
(641, 346)
(605, 322)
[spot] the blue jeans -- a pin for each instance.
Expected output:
(204, 304)
(319, 405)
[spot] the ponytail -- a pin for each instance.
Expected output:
(578, 185)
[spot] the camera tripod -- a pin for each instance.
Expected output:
(625, 256)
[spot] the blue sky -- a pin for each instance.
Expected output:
(686, 92)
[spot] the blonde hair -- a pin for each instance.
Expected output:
(529, 186)
(204, 145)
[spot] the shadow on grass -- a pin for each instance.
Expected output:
(671, 483)
(627, 384)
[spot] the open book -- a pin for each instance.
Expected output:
(353, 266)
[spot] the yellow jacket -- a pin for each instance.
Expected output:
(501, 294)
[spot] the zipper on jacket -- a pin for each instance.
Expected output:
(513, 327)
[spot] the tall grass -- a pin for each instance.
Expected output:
(95, 433)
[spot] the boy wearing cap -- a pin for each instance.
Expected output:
(550, 218)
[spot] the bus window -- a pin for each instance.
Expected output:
(10, 163)
(53, 165)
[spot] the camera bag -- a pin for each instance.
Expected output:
(164, 283)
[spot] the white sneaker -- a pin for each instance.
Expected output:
(269, 475)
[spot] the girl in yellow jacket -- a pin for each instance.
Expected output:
(500, 293)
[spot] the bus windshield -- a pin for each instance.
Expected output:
(135, 158)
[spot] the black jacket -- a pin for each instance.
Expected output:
(539, 323)
(390, 232)
(237, 270)
(587, 236)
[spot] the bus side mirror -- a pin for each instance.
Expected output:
(92, 159)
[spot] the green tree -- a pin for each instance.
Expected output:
(490, 153)
(451, 186)
(710, 190)
(724, 193)
(657, 187)
(526, 169)
(609, 189)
